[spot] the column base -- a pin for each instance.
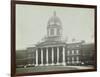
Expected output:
(64, 63)
(41, 64)
(36, 65)
(58, 63)
(47, 64)
(52, 64)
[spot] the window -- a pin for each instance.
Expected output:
(77, 59)
(68, 52)
(77, 45)
(58, 31)
(68, 60)
(72, 59)
(77, 51)
(29, 55)
(72, 51)
(52, 32)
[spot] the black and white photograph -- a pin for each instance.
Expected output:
(53, 37)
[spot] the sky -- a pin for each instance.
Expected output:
(31, 23)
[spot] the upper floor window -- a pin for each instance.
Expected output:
(68, 59)
(68, 52)
(58, 31)
(72, 51)
(29, 55)
(77, 45)
(77, 51)
(72, 58)
(51, 31)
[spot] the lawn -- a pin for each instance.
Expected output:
(43, 69)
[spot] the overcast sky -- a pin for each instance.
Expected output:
(31, 23)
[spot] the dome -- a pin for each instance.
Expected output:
(54, 20)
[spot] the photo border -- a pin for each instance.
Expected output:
(13, 35)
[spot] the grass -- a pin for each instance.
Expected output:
(43, 69)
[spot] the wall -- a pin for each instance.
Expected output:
(5, 38)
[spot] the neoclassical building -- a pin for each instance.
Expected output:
(54, 51)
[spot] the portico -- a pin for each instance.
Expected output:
(51, 55)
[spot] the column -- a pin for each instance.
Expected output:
(47, 56)
(33, 57)
(64, 56)
(41, 57)
(36, 57)
(52, 56)
(58, 55)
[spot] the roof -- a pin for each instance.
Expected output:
(47, 43)
(88, 46)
